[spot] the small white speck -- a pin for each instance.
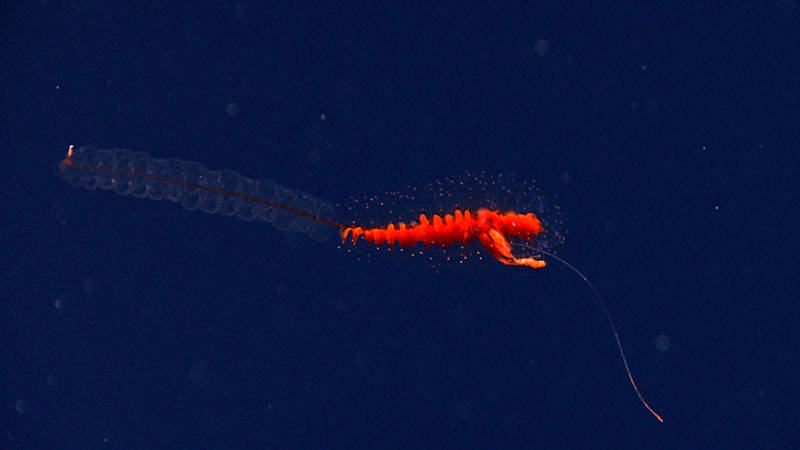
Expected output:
(232, 109)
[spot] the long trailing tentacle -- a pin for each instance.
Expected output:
(608, 316)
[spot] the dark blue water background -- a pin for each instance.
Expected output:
(666, 133)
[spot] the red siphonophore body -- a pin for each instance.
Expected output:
(491, 228)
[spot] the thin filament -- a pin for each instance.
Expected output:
(610, 322)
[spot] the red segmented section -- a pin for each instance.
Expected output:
(491, 228)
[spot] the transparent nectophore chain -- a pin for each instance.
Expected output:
(225, 192)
